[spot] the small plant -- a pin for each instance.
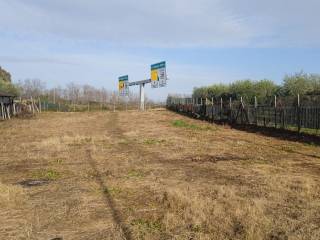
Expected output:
(147, 225)
(195, 228)
(135, 174)
(114, 191)
(153, 141)
(46, 174)
(124, 142)
(59, 161)
(180, 123)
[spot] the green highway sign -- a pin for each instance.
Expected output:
(158, 75)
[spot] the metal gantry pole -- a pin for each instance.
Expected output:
(142, 96)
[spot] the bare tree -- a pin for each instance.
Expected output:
(32, 88)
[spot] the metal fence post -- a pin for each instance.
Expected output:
(212, 109)
(299, 114)
(275, 111)
(230, 106)
(256, 110)
(221, 106)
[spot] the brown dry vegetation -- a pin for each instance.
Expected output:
(132, 175)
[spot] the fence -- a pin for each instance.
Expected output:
(65, 106)
(12, 108)
(286, 113)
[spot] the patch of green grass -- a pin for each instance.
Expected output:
(195, 228)
(183, 124)
(135, 174)
(114, 191)
(124, 142)
(153, 141)
(146, 225)
(47, 174)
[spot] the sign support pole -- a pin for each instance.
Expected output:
(142, 96)
(158, 79)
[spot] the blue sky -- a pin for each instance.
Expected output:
(203, 41)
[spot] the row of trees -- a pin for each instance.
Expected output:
(72, 93)
(298, 83)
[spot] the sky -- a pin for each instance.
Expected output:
(203, 41)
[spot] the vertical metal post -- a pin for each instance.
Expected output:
(221, 106)
(142, 97)
(230, 105)
(212, 106)
(275, 111)
(256, 110)
(299, 114)
(241, 101)
(54, 96)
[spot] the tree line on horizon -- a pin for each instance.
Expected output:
(71, 93)
(299, 83)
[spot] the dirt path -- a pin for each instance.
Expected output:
(154, 175)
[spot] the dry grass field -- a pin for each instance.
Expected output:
(153, 175)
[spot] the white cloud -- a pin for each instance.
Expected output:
(168, 23)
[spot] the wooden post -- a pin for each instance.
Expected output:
(39, 105)
(2, 112)
(8, 111)
(14, 109)
(36, 107)
(32, 107)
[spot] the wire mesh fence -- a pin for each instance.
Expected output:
(299, 113)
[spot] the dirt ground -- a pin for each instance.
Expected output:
(153, 175)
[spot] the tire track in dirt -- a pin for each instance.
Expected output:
(114, 131)
(116, 215)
